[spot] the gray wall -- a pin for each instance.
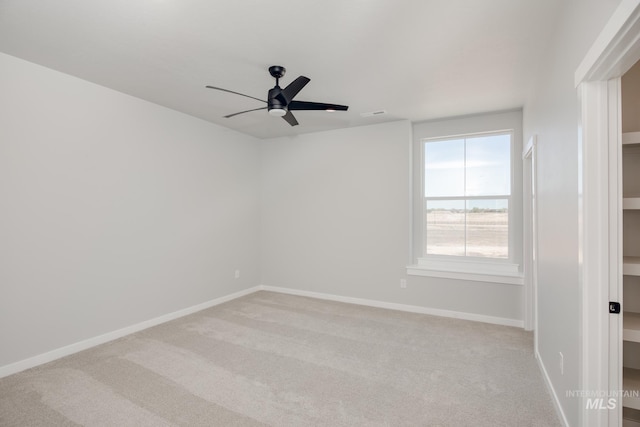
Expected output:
(336, 214)
(114, 210)
(552, 114)
(335, 211)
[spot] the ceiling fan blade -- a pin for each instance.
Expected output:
(290, 119)
(306, 105)
(246, 111)
(293, 88)
(236, 93)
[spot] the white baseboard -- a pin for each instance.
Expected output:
(399, 307)
(110, 336)
(547, 382)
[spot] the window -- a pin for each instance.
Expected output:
(467, 192)
(467, 199)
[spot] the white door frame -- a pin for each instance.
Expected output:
(597, 79)
(614, 91)
(530, 299)
(596, 335)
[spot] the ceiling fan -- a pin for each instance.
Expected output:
(280, 101)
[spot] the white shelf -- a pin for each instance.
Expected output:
(631, 266)
(630, 423)
(630, 417)
(630, 203)
(631, 326)
(631, 382)
(630, 138)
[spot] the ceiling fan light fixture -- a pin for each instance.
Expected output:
(330, 110)
(277, 112)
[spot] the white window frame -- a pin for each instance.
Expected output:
(496, 270)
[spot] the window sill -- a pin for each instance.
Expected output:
(496, 272)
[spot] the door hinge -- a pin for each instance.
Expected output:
(614, 307)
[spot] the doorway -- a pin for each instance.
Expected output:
(597, 81)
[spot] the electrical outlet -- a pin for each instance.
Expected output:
(561, 363)
(237, 274)
(403, 283)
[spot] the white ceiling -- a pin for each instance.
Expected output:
(416, 59)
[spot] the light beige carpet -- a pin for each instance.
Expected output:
(282, 360)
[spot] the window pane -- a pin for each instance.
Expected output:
(444, 168)
(488, 165)
(445, 227)
(488, 228)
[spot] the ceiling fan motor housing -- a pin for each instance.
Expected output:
(275, 105)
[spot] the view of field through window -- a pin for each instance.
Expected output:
(479, 232)
(467, 189)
